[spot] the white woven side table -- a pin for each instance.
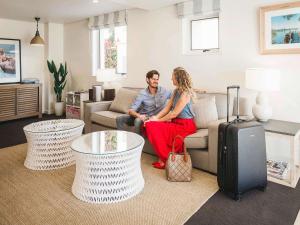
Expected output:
(49, 143)
(108, 166)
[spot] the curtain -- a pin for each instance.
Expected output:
(198, 7)
(113, 19)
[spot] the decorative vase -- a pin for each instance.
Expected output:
(59, 108)
(262, 110)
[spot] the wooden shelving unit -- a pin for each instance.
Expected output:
(20, 100)
(74, 104)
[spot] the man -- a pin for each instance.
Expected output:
(149, 102)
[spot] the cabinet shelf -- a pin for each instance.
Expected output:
(74, 104)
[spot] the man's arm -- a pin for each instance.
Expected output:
(165, 110)
(135, 106)
(133, 113)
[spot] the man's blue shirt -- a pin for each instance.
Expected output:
(148, 104)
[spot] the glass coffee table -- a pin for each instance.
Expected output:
(108, 166)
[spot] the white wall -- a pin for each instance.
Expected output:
(154, 42)
(78, 55)
(55, 52)
(32, 58)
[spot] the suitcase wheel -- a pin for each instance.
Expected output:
(262, 188)
(237, 197)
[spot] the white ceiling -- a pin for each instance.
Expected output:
(65, 11)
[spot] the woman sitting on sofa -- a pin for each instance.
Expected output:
(177, 118)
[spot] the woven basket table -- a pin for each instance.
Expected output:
(108, 166)
(49, 143)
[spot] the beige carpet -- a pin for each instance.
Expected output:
(35, 198)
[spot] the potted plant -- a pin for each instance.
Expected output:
(59, 84)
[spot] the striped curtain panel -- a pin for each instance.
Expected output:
(113, 19)
(198, 7)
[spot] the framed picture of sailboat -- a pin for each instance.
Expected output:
(280, 28)
(10, 61)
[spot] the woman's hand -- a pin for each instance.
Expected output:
(153, 118)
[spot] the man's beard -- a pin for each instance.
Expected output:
(153, 86)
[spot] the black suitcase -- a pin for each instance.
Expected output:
(241, 155)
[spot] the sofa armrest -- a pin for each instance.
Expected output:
(91, 107)
(213, 144)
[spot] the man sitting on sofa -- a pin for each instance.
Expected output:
(149, 102)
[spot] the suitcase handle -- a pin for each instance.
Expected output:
(237, 87)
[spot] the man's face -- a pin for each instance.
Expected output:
(153, 82)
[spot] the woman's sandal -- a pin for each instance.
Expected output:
(159, 165)
(154, 163)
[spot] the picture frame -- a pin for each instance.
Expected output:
(10, 61)
(280, 28)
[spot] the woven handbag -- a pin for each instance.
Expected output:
(179, 165)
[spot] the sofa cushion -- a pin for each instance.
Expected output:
(197, 140)
(221, 103)
(105, 118)
(205, 110)
(123, 100)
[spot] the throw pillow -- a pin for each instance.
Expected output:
(221, 103)
(205, 110)
(245, 106)
(123, 100)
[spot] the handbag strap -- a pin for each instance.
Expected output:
(185, 157)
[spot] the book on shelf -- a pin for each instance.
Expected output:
(277, 169)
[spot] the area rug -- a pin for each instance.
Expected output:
(44, 197)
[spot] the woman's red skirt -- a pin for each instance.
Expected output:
(162, 134)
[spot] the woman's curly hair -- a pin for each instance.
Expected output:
(184, 80)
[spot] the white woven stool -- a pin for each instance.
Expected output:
(108, 166)
(49, 143)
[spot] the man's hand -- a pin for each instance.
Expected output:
(142, 117)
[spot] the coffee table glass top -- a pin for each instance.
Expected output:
(107, 142)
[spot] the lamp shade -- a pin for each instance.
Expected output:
(37, 40)
(105, 75)
(261, 79)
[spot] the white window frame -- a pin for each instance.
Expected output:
(187, 35)
(96, 52)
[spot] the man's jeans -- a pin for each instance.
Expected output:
(126, 120)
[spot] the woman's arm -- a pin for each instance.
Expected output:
(165, 110)
(182, 101)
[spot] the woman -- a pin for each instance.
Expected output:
(177, 118)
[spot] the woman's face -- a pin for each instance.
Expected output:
(175, 83)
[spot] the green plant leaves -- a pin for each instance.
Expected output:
(59, 78)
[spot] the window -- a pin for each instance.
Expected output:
(109, 49)
(205, 34)
(200, 34)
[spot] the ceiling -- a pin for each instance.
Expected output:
(66, 11)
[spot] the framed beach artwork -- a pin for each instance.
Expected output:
(280, 28)
(10, 61)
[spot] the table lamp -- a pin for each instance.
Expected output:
(262, 80)
(106, 76)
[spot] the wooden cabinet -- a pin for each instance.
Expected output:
(20, 100)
